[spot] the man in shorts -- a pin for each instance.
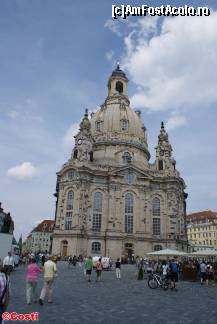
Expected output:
(174, 274)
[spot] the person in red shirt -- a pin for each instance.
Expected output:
(31, 281)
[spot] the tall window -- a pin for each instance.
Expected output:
(129, 213)
(97, 212)
(156, 207)
(99, 124)
(130, 178)
(70, 198)
(68, 221)
(156, 226)
(124, 124)
(96, 247)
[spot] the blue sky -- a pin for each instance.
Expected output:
(56, 57)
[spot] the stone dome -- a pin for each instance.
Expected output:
(111, 116)
(117, 126)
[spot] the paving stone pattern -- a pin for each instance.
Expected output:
(116, 301)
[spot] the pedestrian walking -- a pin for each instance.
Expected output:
(49, 274)
(202, 272)
(43, 260)
(74, 260)
(174, 274)
(37, 259)
(141, 270)
(8, 263)
(118, 268)
(164, 269)
(88, 266)
(31, 282)
(4, 292)
(69, 261)
(99, 268)
(209, 273)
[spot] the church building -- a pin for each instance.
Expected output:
(110, 200)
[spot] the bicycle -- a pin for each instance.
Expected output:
(156, 281)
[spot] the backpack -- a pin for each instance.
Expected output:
(174, 267)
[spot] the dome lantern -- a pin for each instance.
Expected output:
(117, 84)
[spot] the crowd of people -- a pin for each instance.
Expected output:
(36, 264)
(204, 270)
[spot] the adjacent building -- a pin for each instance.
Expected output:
(40, 239)
(202, 230)
(6, 232)
(111, 200)
(6, 222)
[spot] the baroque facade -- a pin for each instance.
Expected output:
(111, 200)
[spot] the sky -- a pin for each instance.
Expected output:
(56, 57)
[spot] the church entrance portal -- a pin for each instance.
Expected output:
(129, 253)
(64, 249)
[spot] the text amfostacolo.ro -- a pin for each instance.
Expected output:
(124, 11)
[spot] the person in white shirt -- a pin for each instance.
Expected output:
(49, 274)
(164, 269)
(8, 263)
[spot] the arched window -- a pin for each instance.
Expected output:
(97, 212)
(124, 124)
(127, 158)
(129, 204)
(119, 87)
(157, 248)
(156, 226)
(91, 156)
(70, 198)
(96, 247)
(160, 165)
(75, 154)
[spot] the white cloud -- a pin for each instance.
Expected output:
(113, 26)
(13, 114)
(175, 122)
(109, 55)
(175, 68)
(24, 171)
(68, 138)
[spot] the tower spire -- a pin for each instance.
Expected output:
(164, 150)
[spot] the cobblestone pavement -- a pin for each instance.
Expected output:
(116, 301)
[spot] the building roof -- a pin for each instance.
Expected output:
(206, 215)
(46, 226)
